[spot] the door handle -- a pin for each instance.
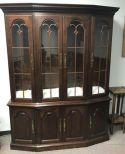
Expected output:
(90, 122)
(60, 125)
(64, 125)
(33, 130)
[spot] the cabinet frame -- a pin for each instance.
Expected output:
(38, 114)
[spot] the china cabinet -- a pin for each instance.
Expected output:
(59, 60)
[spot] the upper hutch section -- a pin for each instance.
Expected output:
(58, 52)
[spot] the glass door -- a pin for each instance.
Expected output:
(50, 52)
(20, 56)
(101, 56)
(75, 47)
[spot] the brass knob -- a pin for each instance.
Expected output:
(33, 130)
(64, 125)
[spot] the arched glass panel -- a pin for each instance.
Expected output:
(100, 57)
(49, 61)
(21, 59)
(75, 58)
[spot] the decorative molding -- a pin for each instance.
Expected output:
(5, 132)
(67, 8)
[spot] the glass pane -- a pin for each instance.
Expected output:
(98, 85)
(21, 60)
(75, 84)
(49, 60)
(80, 35)
(71, 60)
(75, 34)
(50, 83)
(79, 59)
(54, 61)
(70, 37)
(49, 34)
(75, 58)
(23, 86)
(102, 34)
(100, 57)
(19, 34)
(50, 67)
(101, 52)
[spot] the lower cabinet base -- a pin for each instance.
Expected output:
(57, 146)
(58, 127)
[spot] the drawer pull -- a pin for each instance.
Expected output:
(90, 122)
(33, 131)
(64, 125)
(60, 125)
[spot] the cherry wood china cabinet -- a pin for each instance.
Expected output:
(59, 62)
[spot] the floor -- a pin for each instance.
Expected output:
(116, 145)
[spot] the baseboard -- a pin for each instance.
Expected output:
(4, 132)
(57, 146)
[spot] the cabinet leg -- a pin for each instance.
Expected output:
(124, 123)
(111, 129)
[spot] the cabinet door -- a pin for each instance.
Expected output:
(22, 125)
(48, 44)
(76, 29)
(20, 55)
(74, 123)
(49, 125)
(100, 58)
(98, 120)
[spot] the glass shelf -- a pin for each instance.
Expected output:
(21, 47)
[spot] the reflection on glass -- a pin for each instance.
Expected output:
(75, 84)
(75, 34)
(70, 60)
(75, 58)
(49, 34)
(50, 84)
(23, 86)
(102, 34)
(50, 70)
(19, 34)
(49, 60)
(21, 59)
(100, 57)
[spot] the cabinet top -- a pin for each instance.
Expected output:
(57, 8)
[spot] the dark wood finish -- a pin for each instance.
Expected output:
(74, 123)
(58, 8)
(22, 125)
(98, 112)
(50, 123)
(70, 108)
